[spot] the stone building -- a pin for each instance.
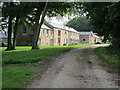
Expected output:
(63, 35)
(50, 35)
(24, 35)
(89, 37)
(46, 36)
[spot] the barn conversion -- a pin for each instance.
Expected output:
(52, 35)
(89, 37)
(63, 35)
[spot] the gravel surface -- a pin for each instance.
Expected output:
(77, 68)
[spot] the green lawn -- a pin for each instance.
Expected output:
(26, 55)
(25, 48)
(0, 77)
(31, 55)
(17, 76)
(108, 56)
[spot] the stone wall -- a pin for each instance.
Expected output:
(47, 37)
(84, 39)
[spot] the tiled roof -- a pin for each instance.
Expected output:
(62, 27)
(86, 33)
(45, 27)
(96, 36)
(70, 29)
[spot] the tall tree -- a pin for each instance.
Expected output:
(8, 13)
(38, 24)
(80, 24)
(9, 47)
(22, 10)
(53, 9)
(15, 32)
(105, 18)
(18, 11)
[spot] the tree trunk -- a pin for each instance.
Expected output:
(15, 32)
(37, 31)
(9, 46)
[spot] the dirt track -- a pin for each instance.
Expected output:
(76, 69)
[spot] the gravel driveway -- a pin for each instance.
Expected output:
(77, 68)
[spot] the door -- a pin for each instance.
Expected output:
(59, 37)
(51, 42)
(59, 41)
(39, 42)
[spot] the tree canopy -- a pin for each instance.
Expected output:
(32, 12)
(80, 24)
(105, 17)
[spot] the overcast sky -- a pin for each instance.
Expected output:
(59, 20)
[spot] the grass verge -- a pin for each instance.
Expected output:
(25, 55)
(16, 76)
(31, 56)
(106, 55)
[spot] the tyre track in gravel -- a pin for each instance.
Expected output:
(77, 68)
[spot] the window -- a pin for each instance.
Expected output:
(51, 32)
(64, 41)
(70, 40)
(24, 30)
(83, 39)
(39, 41)
(43, 31)
(59, 32)
(65, 34)
(51, 42)
(46, 33)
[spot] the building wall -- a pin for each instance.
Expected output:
(24, 37)
(98, 40)
(55, 39)
(60, 37)
(65, 37)
(84, 39)
(94, 39)
(69, 38)
(73, 38)
(89, 39)
(47, 37)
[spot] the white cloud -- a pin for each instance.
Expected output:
(58, 20)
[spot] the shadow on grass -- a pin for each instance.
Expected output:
(108, 56)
